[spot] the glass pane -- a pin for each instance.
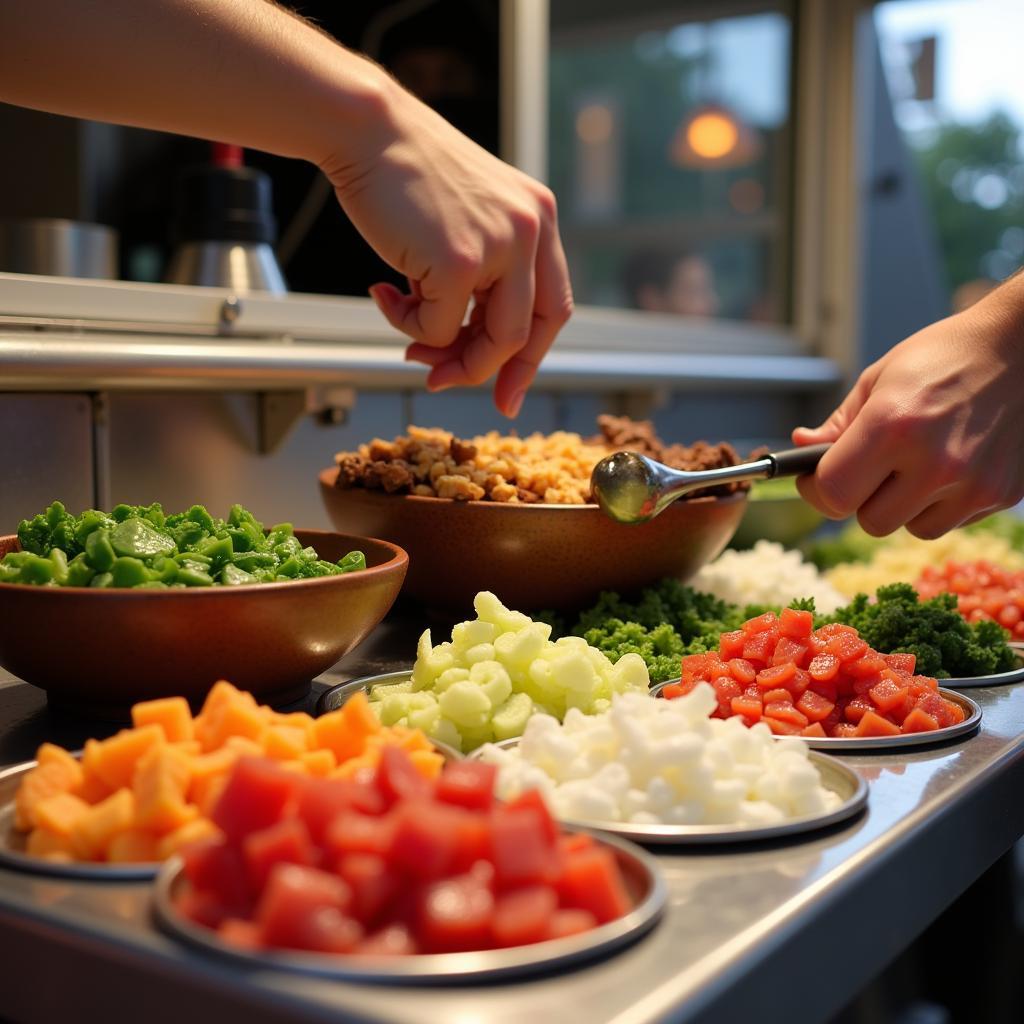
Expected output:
(954, 72)
(669, 153)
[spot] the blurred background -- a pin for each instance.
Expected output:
(757, 199)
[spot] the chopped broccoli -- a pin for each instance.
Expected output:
(944, 643)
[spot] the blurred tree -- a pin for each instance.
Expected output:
(973, 180)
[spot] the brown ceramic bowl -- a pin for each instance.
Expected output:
(532, 556)
(97, 652)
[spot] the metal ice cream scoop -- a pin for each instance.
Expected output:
(631, 488)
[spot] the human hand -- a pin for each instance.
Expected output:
(463, 227)
(930, 435)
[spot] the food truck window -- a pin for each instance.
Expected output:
(669, 150)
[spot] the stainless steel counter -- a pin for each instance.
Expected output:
(786, 931)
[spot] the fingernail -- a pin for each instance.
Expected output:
(515, 404)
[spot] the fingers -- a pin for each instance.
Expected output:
(853, 469)
(434, 310)
(899, 499)
(553, 309)
(842, 417)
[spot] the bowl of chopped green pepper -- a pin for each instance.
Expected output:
(108, 608)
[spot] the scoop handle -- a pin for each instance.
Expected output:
(797, 461)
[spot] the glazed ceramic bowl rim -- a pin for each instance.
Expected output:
(329, 476)
(399, 558)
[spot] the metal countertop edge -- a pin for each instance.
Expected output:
(739, 952)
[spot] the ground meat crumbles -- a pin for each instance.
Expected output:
(550, 468)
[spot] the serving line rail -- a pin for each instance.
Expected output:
(777, 931)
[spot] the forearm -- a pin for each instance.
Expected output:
(240, 71)
(1000, 314)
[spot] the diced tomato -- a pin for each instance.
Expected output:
(570, 922)
(533, 799)
(473, 842)
(823, 667)
(900, 662)
(202, 907)
(940, 709)
(695, 663)
(680, 689)
(832, 629)
(799, 683)
(742, 671)
(824, 688)
(778, 675)
(254, 797)
(352, 832)
(236, 931)
(762, 623)
(467, 784)
(888, 695)
(814, 707)
(373, 883)
(574, 842)
(591, 881)
(725, 689)
(212, 866)
(759, 647)
(455, 914)
(924, 683)
(305, 908)
(747, 707)
(813, 730)
(781, 728)
(287, 842)
(788, 649)
(781, 694)
(919, 721)
(785, 712)
(843, 730)
(730, 645)
(522, 916)
(847, 646)
(796, 623)
(391, 940)
(857, 708)
(424, 839)
(522, 850)
(320, 801)
(873, 724)
(870, 665)
(397, 777)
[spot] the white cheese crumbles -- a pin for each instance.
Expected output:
(647, 761)
(767, 574)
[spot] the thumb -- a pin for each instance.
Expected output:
(833, 428)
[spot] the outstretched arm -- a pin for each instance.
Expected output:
(931, 435)
(463, 227)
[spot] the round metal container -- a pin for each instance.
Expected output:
(63, 248)
(336, 696)
(1015, 675)
(14, 855)
(837, 744)
(835, 776)
(642, 878)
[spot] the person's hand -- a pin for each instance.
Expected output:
(930, 436)
(463, 227)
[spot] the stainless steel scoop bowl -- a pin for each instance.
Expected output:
(632, 488)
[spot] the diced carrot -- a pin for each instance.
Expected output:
(779, 695)
(44, 781)
(160, 786)
(843, 730)
(870, 665)
(58, 813)
(857, 708)
(319, 762)
(814, 729)
(759, 647)
(847, 646)
(873, 724)
(730, 645)
(760, 624)
(284, 742)
(428, 763)
(237, 718)
(788, 649)
(742, 671)
(94, 830)
(49, 845)
(117, 757)
(133, 846)
(172, 714)
(781, 728)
